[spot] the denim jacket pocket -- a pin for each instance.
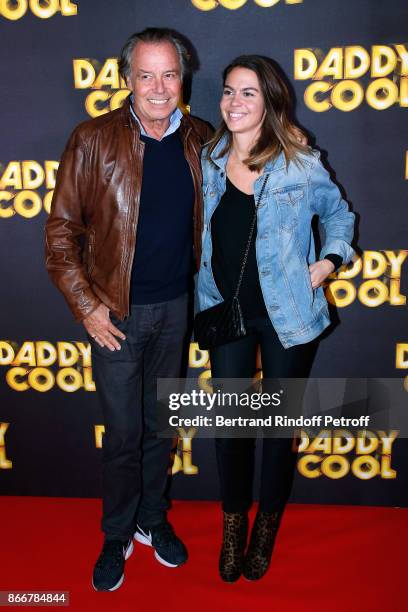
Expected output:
(289, 195)
(288, 201)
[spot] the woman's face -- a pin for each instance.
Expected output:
(242, 104)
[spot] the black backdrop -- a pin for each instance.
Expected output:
(49, 417)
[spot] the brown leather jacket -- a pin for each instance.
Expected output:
(91, 231)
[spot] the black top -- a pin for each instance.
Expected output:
(163, 258)
(230, 225)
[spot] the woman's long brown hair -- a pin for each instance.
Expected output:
(278, 132)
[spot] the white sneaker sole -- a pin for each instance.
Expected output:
(147, 541)
(128, 552)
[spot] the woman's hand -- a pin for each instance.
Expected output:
(319, 271)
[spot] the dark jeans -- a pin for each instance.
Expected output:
(236, 456)
(135, 462)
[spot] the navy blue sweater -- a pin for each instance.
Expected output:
(163, 258)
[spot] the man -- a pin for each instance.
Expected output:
(125, 215)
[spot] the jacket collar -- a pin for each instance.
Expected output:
(271, 166)
(127, 115)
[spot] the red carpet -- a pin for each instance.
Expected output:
(327, 558)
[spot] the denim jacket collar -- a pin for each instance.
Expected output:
(271, 166)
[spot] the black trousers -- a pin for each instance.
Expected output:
(236, 456)
(135, 462)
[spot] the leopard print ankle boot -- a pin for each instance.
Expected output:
(234, 540)
(260, 547)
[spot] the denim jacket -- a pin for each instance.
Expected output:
(285, 247)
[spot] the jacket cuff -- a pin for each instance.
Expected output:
(339, 247)
(85, 305)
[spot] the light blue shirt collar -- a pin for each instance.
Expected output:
(175, 120)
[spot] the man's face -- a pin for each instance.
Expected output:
(155, 80)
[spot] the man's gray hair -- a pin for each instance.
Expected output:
(153, 35)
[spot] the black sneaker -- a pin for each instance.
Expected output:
(108, 571)
(168, 548)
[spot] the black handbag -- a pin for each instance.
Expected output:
(224, 322)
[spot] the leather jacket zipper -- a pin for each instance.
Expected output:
(91, 252)
(197, 187)
(131, 224)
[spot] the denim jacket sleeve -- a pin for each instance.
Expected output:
(333, 211)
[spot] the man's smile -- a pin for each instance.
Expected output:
(153, 101)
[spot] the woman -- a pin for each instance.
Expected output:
(257, 149)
